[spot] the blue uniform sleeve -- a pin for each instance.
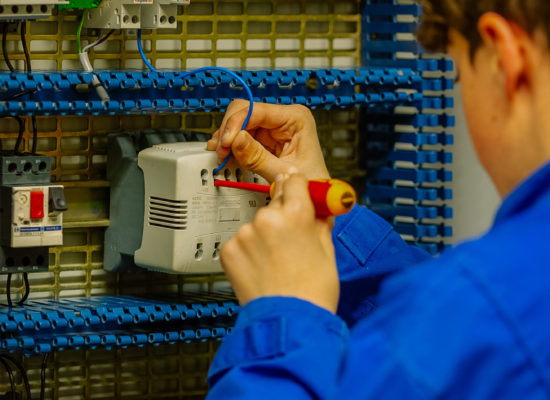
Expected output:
(270, 353)
(368, 250)
(420, 343)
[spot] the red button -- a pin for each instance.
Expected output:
(37, 205)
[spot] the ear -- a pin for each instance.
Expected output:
(509, 42)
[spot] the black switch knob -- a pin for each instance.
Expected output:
(56, 199)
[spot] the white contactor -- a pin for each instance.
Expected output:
(187, 219)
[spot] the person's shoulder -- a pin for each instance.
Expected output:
(506, 269)
(431, 284)
(482, 304)
(510, 258)
(452, 327)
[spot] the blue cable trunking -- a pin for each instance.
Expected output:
(131, 92)
(405, 149)
(41, 326)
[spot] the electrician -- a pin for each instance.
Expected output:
(361, 315)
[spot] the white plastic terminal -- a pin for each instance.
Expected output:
(27, 9)
(134, 14)
(187, 218)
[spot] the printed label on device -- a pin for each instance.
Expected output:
(35, 229)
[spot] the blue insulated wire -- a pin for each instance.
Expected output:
(204, 69)
(140, 48)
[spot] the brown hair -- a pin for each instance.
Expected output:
(441, 15)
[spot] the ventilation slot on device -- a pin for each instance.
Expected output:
(169, 214)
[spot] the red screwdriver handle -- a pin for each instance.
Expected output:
(330, 196)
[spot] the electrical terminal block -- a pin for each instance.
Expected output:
(134, 14)
(25, 170)
(13, 10)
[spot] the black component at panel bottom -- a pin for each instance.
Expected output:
(11, 396)
(28, 259)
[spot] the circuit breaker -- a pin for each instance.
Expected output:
(36, 215)
(31, 213)
(187, 219)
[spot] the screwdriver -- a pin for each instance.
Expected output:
(330, 197)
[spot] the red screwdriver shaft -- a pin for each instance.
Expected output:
(253, 187)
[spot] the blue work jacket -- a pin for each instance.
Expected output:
(473, 323)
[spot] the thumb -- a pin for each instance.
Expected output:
(251, 155)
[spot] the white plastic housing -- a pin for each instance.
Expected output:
(15, 10)
(30, 232)
(187, 218)
(134, 14)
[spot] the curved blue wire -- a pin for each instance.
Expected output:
(203, 69)
(140, 48)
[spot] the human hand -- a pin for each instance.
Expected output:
(285, 251)
(277, 138)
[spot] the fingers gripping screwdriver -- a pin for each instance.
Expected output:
(330, 197)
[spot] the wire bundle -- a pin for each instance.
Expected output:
(8, 361)
(28, 68)
(85, 60)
